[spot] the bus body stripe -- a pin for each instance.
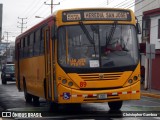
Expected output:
(115, 93)
(110, 94)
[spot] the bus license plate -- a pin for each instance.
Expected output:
(102, 96)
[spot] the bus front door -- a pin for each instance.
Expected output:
(48, 73)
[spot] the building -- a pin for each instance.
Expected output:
(148, 14)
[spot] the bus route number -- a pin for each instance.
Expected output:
(83, 84)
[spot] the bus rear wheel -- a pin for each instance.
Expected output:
(28, 97)
(36, 101)
(116, 105)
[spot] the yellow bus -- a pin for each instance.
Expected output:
(75, 56)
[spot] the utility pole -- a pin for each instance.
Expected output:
(7, 35)
(7, 44)
(51, 5)
(22, 24)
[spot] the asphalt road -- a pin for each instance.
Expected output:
(13, 101)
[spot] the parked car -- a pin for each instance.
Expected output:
(8, 73)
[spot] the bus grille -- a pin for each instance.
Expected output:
(101, 76)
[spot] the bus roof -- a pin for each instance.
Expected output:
(51, 17)
(43, 22)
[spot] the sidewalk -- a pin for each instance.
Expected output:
(150, 92)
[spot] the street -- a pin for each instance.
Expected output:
(12, 100)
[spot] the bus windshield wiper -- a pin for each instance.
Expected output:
(91, 40)
(86, 32)
(111, 33)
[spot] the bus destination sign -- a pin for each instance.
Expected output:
(95, 15)
(105, 15)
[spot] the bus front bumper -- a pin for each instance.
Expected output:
(67, 95)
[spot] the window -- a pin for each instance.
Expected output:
(25, 49)
(146, 30)
(31, 40)
(158, 28)
(21, 48)
(77, 50)
(37, 42)
(23, 42)
(42, 41)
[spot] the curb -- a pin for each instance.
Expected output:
(150, 95)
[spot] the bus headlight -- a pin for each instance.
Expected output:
(135, 78)
(70, 84)
(130, 81)
(64, 81)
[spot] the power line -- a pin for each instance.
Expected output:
(135, 4)
(128, 4)
(22, 24)
(119, 4)
(30, 8)
(145, 5)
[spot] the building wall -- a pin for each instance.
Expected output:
(154, 32)
(144, 5)
(149, 10)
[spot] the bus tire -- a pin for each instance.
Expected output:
(36, 101)
(54, 107)
(115, 106)
(28, 97)
(75, 106)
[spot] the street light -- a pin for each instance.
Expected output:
(38, 17)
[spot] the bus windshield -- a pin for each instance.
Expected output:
(97, 46)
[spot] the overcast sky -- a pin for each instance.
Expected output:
(12, 9)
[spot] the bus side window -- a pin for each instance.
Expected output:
(41, 41)
(54, 32)
(37, 42)
(21, 48)
(31, 40)
(25, 49)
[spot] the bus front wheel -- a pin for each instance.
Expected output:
(54, 107)
(116, 105)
